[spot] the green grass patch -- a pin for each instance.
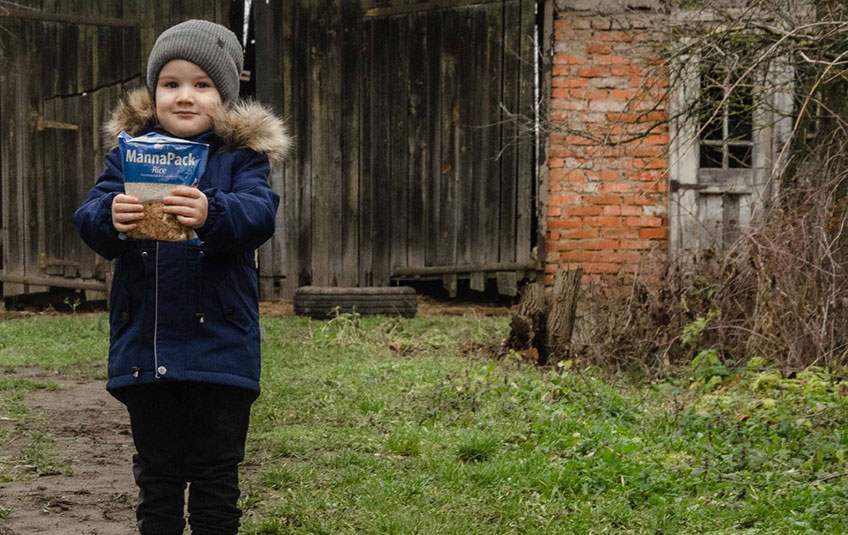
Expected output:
(381, 426)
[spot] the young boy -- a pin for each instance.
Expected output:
(184, 322)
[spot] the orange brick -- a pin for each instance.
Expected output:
(625, 70)
(616, 187)
(583, 210)
(620, 233)
(555, 162)
(580, 233)
(599, 267)
(608, 174)
(613, 37)
(656, 139)
(567, 223)
(557, 174)
(637, 201)
(631, 210)
(562, 24)
(597, 48)
(592, 72)
(621, 94)
(604, 199)
(654, 233)
(562, 81)
(563, 59)
(610, 59)
(598, 244)
(612, 210)
(563, 245)
(603, 221)
(578, 256)
(561, 199)
(554, 211)
(635, 244)
(643, 222)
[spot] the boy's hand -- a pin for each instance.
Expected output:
(125, 210)
(189, 205)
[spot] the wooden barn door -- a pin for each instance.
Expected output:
(64, 67)
(415, 148)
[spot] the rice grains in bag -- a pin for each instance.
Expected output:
(153, 164)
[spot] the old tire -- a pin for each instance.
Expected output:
(322, 302)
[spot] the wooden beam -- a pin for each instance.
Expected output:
(70, 19)
(58, 282)
(434, 5)
(465, 268)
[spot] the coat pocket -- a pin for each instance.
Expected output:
(119, 307)
(233, 304)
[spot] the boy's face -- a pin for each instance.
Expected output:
(186, 99)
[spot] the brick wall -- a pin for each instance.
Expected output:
(607, 202)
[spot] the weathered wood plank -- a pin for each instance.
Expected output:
(350, 73)
(68, 63)
(303, 123)
(419, 140)
(509, 131)
(449, 117)
(331, 110)
(399, 142)
(71, 168)
(320, 177)
(526, 198)
(29, 101)
(85, 164)
(53, 158)
(291, 188)
(710, 220)
(490, 173)
(434, 132)
(366, 173)
(383, 71)
(14, 119)
(269, 34)
(465, 125)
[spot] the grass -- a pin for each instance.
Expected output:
(384, 426)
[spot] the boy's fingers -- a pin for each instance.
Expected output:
(183, 210)
(185, 191)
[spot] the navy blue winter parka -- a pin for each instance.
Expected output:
(181, 311)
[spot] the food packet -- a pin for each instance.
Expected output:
(153, 164)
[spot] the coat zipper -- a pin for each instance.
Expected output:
(199, 314)
(156, 313)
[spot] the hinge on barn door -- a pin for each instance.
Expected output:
(675, 185)
(43, 124)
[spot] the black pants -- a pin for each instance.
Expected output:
(187, 433)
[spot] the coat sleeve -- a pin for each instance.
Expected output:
(93, 218)
(242, 219)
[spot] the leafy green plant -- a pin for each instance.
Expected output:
(707, 366)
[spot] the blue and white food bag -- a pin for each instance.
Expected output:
(153, 164)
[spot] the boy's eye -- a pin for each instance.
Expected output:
(171, 85)
(203, 84)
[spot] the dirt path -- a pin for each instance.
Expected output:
(91, 429)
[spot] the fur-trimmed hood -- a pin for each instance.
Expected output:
(241, 125)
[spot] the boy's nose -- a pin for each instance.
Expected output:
(185, 94)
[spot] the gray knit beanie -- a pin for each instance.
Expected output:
(210, 46)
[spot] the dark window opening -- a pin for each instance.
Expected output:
(725, 120)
